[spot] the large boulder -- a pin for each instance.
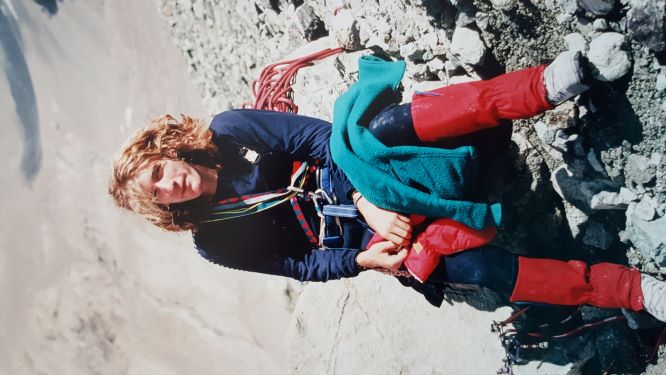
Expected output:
(647, 235)
(609, 57)
(597, 7)
(467, 46)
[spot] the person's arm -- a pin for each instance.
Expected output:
(315, 265)
(311, 265)
(391, 225)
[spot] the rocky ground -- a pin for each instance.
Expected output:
(585, 180)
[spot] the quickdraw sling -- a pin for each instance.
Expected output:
(235, 207)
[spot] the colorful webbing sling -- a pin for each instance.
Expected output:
(235, 207)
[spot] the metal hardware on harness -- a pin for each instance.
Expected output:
(249, 155)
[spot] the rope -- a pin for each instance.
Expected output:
(272, 90)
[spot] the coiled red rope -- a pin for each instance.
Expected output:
(273, 91)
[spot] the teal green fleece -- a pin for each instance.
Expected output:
(409, 179)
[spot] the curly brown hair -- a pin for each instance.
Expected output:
(165, 138)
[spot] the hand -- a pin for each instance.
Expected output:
(385, 255)
(390, 225)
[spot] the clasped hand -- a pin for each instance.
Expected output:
(382, 255)
(392, 226)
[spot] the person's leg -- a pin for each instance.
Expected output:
(464, 108)
(489, 266)
(393, 126)
(554, 282)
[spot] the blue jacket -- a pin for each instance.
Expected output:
(272, 241)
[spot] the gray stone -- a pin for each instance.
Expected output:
(639, 169)
(612, 200)
(648, 237)
(608, 57)
(435, 65)
(596, 235)
(646, 208)
(346, 31)
(594, 161)
(482, 20)
(646, 23)
(467, 46)
(308, 23)
(568, 6)
(198, 9)
(575, 42)
(544, 133)
(597, 7)
(577, 191)
(504, 5)
(600, 24)
(661, 82)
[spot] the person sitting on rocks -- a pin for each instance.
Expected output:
(236, 188)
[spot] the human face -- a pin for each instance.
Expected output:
(171, 181)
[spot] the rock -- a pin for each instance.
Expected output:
(608, 58)
(198, 9)
(482, 20)
(610, 200)
(568, 6)
(546, 135)
(467, 46)
(646, 208)
(504, 5)
(646, 23)
(575, 42)
(563, 18)
(600, 24)
(435, 65)
(661, 82)
(597, 7)
(594, 161)
(577, 191)
(356, 320)
(346, 31)
(576, 218)
(639, 169)
(308, 23)
(596, 235)
(648, 237)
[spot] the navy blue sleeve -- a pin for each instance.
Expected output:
(315, 265)
(301, 137)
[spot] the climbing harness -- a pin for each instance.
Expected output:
(273, 91)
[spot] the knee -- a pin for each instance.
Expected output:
(381, 125)
(393, 126)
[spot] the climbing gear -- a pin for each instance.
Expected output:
(235, 207)
(272, 90)
(455, 110)
(521, 346)
(565, 77)
(575, 282)
(654, 296)
(330, 229)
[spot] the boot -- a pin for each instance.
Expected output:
(604, 285)
(566, 77)
(654, 296)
